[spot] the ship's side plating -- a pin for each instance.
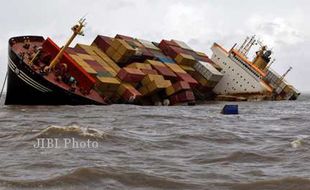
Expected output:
(237, 79)
(250, 78)
(26, 87)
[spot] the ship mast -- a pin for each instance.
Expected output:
(77, 30)
(284, 75)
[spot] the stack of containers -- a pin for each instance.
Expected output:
(208, 72)
(131, 69)
(142, 53)
(153, 83)
(196, 64)
(120, 51)
(79, 60)
(162, 69)
(106, 83)
(155, 51)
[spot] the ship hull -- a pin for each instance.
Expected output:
(26, 87)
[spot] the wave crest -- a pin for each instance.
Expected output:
(73, 130)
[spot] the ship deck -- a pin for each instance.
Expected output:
(28, 53)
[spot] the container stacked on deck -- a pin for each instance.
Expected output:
(140, 71)
(200, 71)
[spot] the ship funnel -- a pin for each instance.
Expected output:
(263, 57)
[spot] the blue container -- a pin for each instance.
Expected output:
(230, 110)
(166, 59)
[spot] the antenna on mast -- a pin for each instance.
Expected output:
(284, 75)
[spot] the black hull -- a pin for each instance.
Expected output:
(26, 87)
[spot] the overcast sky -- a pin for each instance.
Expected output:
(281, 24)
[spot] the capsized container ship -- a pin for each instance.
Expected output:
(124, 69)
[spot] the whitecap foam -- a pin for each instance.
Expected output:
(73, 130)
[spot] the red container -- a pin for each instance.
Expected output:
(79, 50)
(103, 42)
(131, 95)
(149, 71)
(147, 54)
(95, 65)
(165, 43)
(186, 96)
(181, 85)
(165, 71)
(172, 51)
(130, 75)
(187, 78)
(182, 97)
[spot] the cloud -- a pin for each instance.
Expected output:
(282, 25)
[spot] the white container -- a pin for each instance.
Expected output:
(208, 71)
(148, 44)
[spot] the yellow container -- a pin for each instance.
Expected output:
(175, 68)
(116, 43)
(140, 66)
(185, 59)
(170, 90)
(152, 62)
(110, 51)
(87, 48)
(106, 59)
(158, 85)
(201, 54)
(150, 78)
(108, 83)
(85, 56)
(188, 69)
(100, 61)
(117, 57)
(144, 91)
(125, 48)
(90, 71)
(123, 87)
(79, 60)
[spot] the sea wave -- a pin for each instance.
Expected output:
(237, 157)
(289, 183)
(72, 131)
(91, 176)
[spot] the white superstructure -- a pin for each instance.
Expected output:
(239, 77)
(244, 77)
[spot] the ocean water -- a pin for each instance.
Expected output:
(266, 146)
